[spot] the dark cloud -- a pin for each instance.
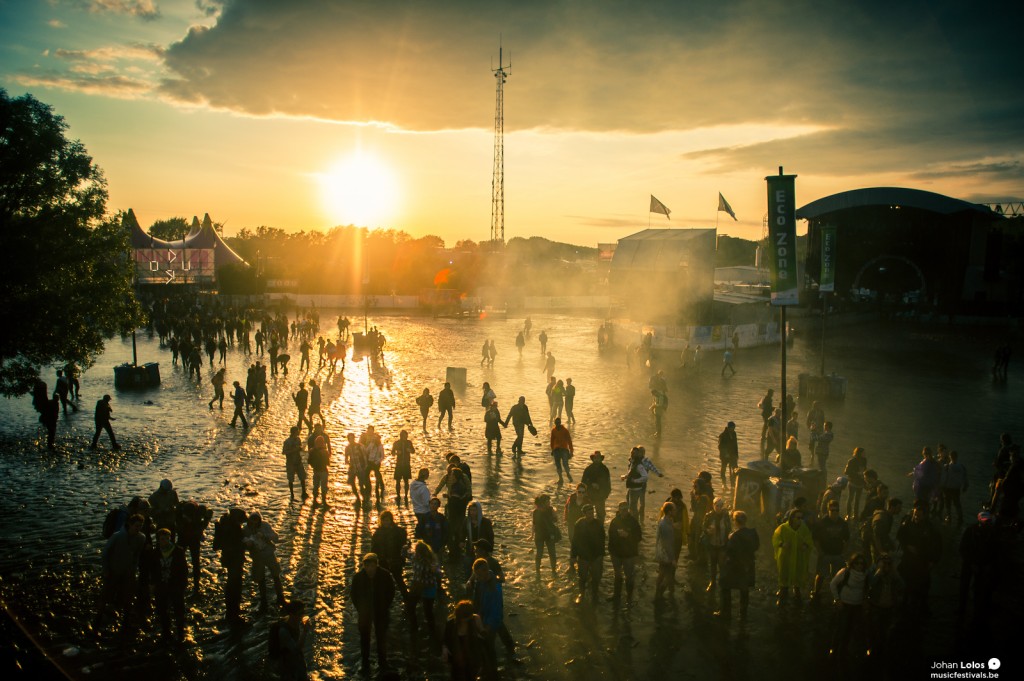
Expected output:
(908, 85)
(1004, 170)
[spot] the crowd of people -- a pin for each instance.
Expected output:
(872, 563)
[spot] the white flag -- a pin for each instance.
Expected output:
(723, 205)
(659, 207)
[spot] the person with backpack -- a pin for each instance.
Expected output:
(849, 588)
(286, 642)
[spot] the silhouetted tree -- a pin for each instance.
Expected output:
(172, 229)
(67, 276)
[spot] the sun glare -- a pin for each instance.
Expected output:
(360, 190)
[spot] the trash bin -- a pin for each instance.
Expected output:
(812, 483)
(748, 492)
(780, 493)
(457, 377)
(152, 373)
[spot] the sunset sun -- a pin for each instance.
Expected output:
(360, 190)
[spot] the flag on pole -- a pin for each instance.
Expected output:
(723, 205)
(659, 207)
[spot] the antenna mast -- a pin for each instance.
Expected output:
(498, 178)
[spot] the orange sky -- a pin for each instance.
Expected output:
(308, 114)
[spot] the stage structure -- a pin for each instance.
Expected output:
(194, 259)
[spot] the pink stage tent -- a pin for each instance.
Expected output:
(194, 259)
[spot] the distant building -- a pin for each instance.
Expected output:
(665, 275)
(918, 248)
(195, 259)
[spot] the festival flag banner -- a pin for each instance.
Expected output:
(724, 207)
(828, 259)
(782, 239)
(659, 207)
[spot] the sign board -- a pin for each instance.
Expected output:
(782, 239)
(828, 259)
(174, 265)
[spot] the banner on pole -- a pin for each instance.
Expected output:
(782, 239)
(828, 259)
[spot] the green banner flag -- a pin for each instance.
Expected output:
(782, 239)
(828, 259)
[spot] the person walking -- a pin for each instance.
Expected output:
(767, 409)
(728, 450)
(624, 535)
(792, 542)
(218, 382)
(103, 418)
(664, 553)
(291, 634)
(424, 583)
(727, 363)
(545, 532)
(301, 399)
(598, 480)
(320, 462)
(854, 472)
(227, 538)
(168, 571)
(239, 398)
(570, 400)
(372, 593)
(659, 405)
(373, 448)
(292, 450)
(738, 569)
(425, 401)
(849, 589)
(588, 545)
(446, 405)
(261, 540)
(519, 415)
(561, 449)
(403, 450)
(492, 428)
(314, 404)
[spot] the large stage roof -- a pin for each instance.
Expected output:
(890, 196)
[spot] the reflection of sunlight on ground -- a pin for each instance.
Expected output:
(895, 405)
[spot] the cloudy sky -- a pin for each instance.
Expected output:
(304, 114)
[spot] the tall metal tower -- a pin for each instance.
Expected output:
(498, 178)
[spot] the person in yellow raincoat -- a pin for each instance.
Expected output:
(792, 542)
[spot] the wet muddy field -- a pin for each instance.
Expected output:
(908, 387)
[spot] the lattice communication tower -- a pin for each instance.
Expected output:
(498, 177)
